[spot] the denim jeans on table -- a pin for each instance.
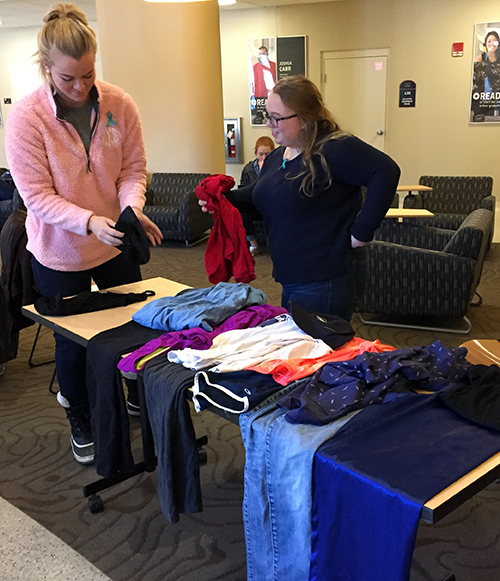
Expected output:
(71, 357)
(337, 296)
(278, 490)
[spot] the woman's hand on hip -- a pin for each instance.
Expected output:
(355, 243)
(104, 230)
(150, 228)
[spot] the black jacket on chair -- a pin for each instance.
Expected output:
(17, 274)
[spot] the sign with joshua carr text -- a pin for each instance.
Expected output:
(269, 60)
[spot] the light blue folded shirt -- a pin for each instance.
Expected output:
(198, 307)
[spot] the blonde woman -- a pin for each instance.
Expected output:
(76, 153)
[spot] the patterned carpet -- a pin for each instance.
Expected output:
(131, 540)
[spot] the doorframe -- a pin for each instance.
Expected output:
(358, 53)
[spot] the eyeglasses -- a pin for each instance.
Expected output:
(273, 121)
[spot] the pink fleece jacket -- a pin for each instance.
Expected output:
(61, 187)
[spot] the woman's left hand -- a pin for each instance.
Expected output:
(355, 243)
(150, 228)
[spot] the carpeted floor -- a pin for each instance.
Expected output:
(131, 540)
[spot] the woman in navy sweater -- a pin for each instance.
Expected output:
(308, 192)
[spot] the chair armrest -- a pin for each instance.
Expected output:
(488, 203)
(414, 235)
(411, 281)
(472, 237)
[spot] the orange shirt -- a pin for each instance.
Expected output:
(284, 371)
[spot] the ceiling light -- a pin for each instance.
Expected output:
(174, 1)
(226, 2)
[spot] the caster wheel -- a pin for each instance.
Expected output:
(95, 503)
(202, 456)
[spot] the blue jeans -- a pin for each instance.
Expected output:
(71, 357)
(337, 296)
(278, 490)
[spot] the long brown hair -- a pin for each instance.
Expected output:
(303, 97)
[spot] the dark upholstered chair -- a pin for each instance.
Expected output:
(171, 203)
(452, 199)
(423, 272)
(7, 188)
(8, 207)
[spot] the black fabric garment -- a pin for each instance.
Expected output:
(87, 302)
(248, 174)
(17, 274)
(110, 425)
(245, 390)
(333, 330)
(135, 243)
(6, 189)
(166, 387)
(477, 397)
(8, 341)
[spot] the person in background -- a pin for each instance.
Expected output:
(263, 146)
(308, 193)
(76, 152)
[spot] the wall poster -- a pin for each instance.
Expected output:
(485, 93)
(269, 60)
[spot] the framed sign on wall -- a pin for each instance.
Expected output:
(269, 60)
(485, 85)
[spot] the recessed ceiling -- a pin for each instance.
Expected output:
(15, 13)
(267, 3)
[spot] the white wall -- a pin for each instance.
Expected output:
(18, 74)
(434, 137)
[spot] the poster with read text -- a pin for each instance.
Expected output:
(485, 91)
(269, 60)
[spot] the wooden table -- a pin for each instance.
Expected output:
(483, 351)
(408, 213)
(486, 352)
(415, 188)
(81, 328)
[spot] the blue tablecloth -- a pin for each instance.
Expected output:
(374, 476)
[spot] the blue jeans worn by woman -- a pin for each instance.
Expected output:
(278, 490)
(71, 357)
(337, 296)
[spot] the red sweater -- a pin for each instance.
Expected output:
(227, 252)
